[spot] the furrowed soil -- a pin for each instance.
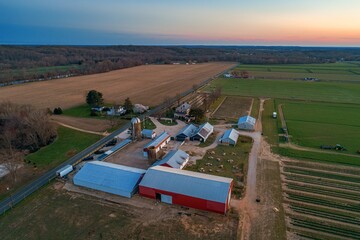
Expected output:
(148, 85)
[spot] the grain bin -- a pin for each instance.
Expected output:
(136, 129)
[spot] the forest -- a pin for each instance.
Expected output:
(31, 63)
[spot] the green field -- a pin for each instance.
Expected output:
(297, 90)
(315, 124)
(68, 143)
(324, 72)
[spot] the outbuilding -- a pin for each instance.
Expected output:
(110, 178)
(148, 133)
(230, 137)
(157, 144)
(203, 132)
(174, 159)
(247, 123)
(186, 132)
(186, 188)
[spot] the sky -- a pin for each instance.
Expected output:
(185, 22)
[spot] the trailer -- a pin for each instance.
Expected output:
(62, 172)
(274, 114)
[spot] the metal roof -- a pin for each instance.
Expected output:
(204, 130)
(147, 132)
(188, 130)
(109, 177)
(247, 119)
(114, 149)
(158, 140)
(174, 158)
(230, 134)
(198, 185)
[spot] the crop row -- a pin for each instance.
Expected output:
(327, 215)
(310, 165)
(324, 202)
(323, 175)
(332, 193)
(322, 182)
(325, 228)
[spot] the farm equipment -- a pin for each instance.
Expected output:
(337, 147)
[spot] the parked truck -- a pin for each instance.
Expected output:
(62, 172)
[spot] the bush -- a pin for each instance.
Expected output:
(58, 111)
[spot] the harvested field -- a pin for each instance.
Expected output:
(234, 107)
(139, 83)
(96, 125)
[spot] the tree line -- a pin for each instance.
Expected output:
(38, 62)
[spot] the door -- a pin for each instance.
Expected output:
(166, 199)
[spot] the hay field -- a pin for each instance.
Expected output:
(148, 84)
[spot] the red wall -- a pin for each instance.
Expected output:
(187, 201)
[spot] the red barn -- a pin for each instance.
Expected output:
(186, 188)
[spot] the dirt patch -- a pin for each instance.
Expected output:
(233, 108)
(96, 125)
(148, 84)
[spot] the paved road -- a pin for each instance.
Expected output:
(25, 191)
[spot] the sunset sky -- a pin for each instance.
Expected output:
(209, 22)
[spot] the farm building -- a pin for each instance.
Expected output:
(203, 132)
(157, 144)
(228, 75)
(186, 132)
(148, 133)
(110, 178)
(182, 111)
(247, 123)
(229, 137)
(115, 111)
(139, 108)
(186, 188)
(174, 159)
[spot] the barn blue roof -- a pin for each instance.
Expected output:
(163, 136)
(198, 185)
(247, 119)
(231, 134)
(109, 177)
(174, 158)
(188, 130)
(147, 132)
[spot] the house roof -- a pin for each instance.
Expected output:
(247, 119)
(188, 183)
(108, 177)
(205, 130)
(174, 159)
(183, 107)
(188, 130)
(230, 134)
(158, 140)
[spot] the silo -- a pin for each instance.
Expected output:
(152, 155)
(136, 129)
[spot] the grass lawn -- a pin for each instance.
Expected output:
(148, 124)
(68, 143)
(211, 139)
(78, 111)
(168, 122)
(255, 108)
(315, 124)
(236, 169)
(297, 90)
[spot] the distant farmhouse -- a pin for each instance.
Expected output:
(230, 137)
(174, 159)
(182, 111)
(228, 75)
(115, 111)
(247, 123)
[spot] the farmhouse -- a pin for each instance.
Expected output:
(203, 132)
(148, 133)
(186, 132)
(228, 75)
(174, 159)
(186, 188)
(110, 178)
(246, 123)
(157, 144)
(182, 111)
(230, 137)
(115, 111)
